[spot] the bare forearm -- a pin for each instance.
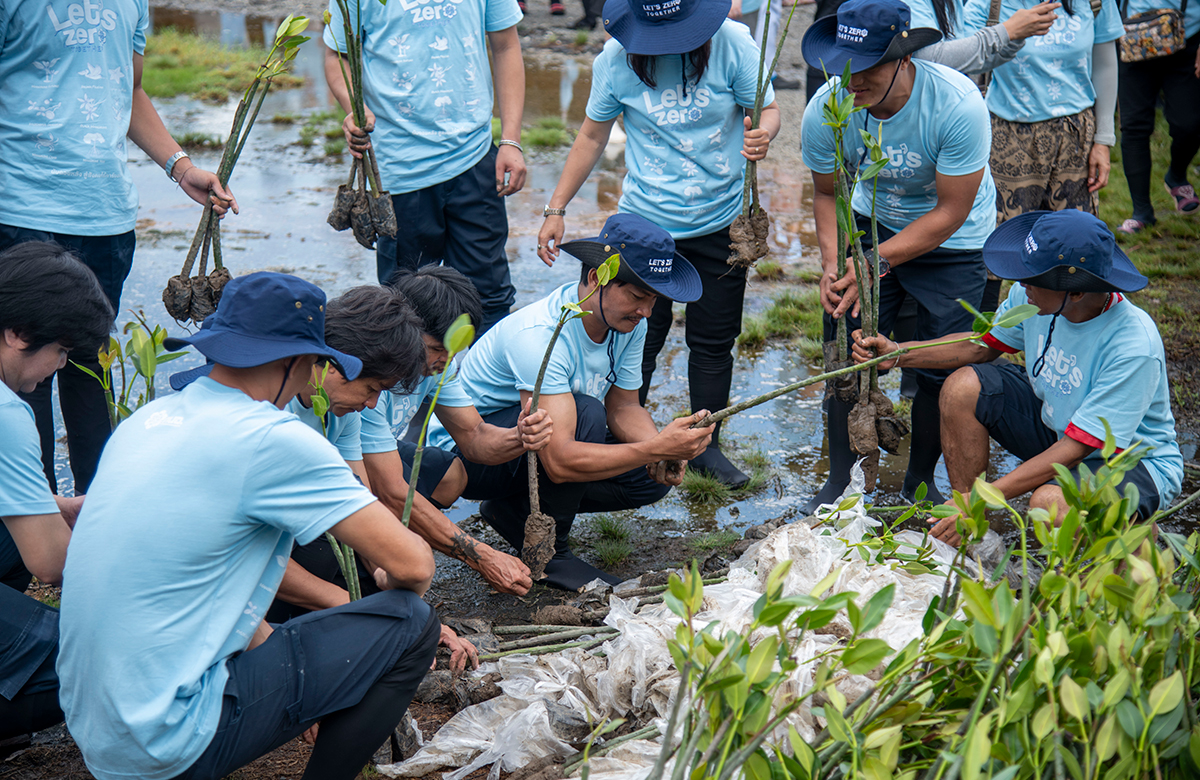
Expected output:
(334, 63)
(586, 150)
(146, 129)
(433, 526)
(490, 445)
(508, 71)
(304, 589)
(824, 211)
(925, 233)
(947, 356)
(1039, 470)
(631, 423)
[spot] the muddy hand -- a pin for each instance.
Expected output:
(510, 170)
(204, 187)
(549, 237)
(357, 138)
(534, 429)
(667, 472)
(505, 573)
(865, 348)
(946, 529)
(755, 142)
(310, 734)
(462, 652)
(680, 441)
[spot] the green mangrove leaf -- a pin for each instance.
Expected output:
(459, 335)
(1107, 739)
(978, 748)
(1015, 316)
(1044, 721)
(1043, 669)
(990, 494)
(800, 749)
(775, 578)
(1073, 699)
(1164, 725)
(978, 602)
(757, 767)
(1166, 694)
(879, 736)
(826, 582)
(1194, 745)
(607, 271)
(864, 655)
(761, 660)
(1130, 719)
(877, 607)
(838, 727)
(1110, 443)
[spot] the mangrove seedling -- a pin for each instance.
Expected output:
(748, 233)
(144, 352)
(538, 547)
(193, 298)
(367, 213)
(458, 337)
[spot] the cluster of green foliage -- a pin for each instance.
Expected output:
(138, 358)
(1091, 674)
(180, 63)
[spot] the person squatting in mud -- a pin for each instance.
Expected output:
(167, 667)
(935, 207)
(1093, 361)
(51, 305)
(605, 453)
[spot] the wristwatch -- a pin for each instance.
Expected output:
(549, 212)
(170, 166)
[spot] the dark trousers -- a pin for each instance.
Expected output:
(462, 223)
(84, 408)
(507, 485)
(353, 668)
(712, 326)
(1140, 85)
(29, 650)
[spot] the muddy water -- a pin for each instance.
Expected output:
(285, 190)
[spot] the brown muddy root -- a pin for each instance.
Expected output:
(870, 470)
(547, 768)
(442, 686)
(861, 422)
(177, 297)
(748, 238)
(339, 215)
(845, 387)
(383, 214)
(539, 544)
(217, 281)
(202, 299)
(889, 429)
(361, 222)
(557, 615)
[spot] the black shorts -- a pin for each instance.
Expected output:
(1012, 413)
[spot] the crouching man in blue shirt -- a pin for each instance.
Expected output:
(605, 453)
(1091, 356)
(167, 667)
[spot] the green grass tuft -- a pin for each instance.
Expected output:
(581, 38)
(703, 489)
(713, 542)
(769, 269)
(335, 147)
(179, 63)
(192, 140)
(546, 133)
(612, 552)
(793, 315)
(609, 527)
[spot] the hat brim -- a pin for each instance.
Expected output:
(684, 285)
(238, 350)
(1004, 256)
(182, 379)
(671, 36)
(822, 51)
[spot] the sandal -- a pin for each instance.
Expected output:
(521, 5)
(1185, 198)
(1131, 226)
(557, 8)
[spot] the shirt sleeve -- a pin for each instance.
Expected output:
(300, 484)
(602, 104)
(376, 435)
(1009, 339)
(816, 140)
(348, 441)
(1116, 396)
(974, 16)
(335, 34)
(746, 55)
(143, 23)
(1108, 22)
(453, 393)
(501, 14)
(966, 138)
(23, 486)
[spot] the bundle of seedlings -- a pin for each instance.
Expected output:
(748, 233)
(538, 547)
(366, 209)
(188, 297)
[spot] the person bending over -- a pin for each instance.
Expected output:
(167, 667)
(1091, 356)
(50, 305)
(605, 453)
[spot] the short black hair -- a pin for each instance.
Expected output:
(439, 294)
(376, 325)
(48, 295)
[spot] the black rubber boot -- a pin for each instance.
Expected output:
(925, 448)
(840, 456)
(568, 572)
(713, 463)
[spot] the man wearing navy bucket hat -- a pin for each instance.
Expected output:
(935, 202)
(605, 453)
(1092, 360)
(174, 672)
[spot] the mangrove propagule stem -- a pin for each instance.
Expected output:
(535, 502)
(586, 645)
(576, 761)
(553, 639)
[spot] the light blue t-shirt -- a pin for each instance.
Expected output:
(428, 81)
(1052, 74)
(1112, 368)
(1191, 15)
(684, 147)
(178, 552)
(23, 486)
(342, 432)
(923, 15)
(390, 418)
(66, 87)
(507, 358)
(943, 128)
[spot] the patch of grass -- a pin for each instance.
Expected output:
(705, 490)
(51, 600)
(335, 147)
(793, 315)
(612, 552)
(192, 140)
(547, 133)
(325, 125)
(903, 409)
(285, 119)
(308, 135)
(713, 542)
(179, 63)
(609, 527)
(581, 38)
(769, 269)
(495, 129)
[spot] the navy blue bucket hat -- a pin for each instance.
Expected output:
(1065, 251)
(864, 33)
(648, 257)
(654, 27)
(263, 317)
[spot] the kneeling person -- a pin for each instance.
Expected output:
(1090, 356)
(173, 672)
(605, 453)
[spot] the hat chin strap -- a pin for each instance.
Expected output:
(1041, 361)
(287, 372)
(867, 114)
